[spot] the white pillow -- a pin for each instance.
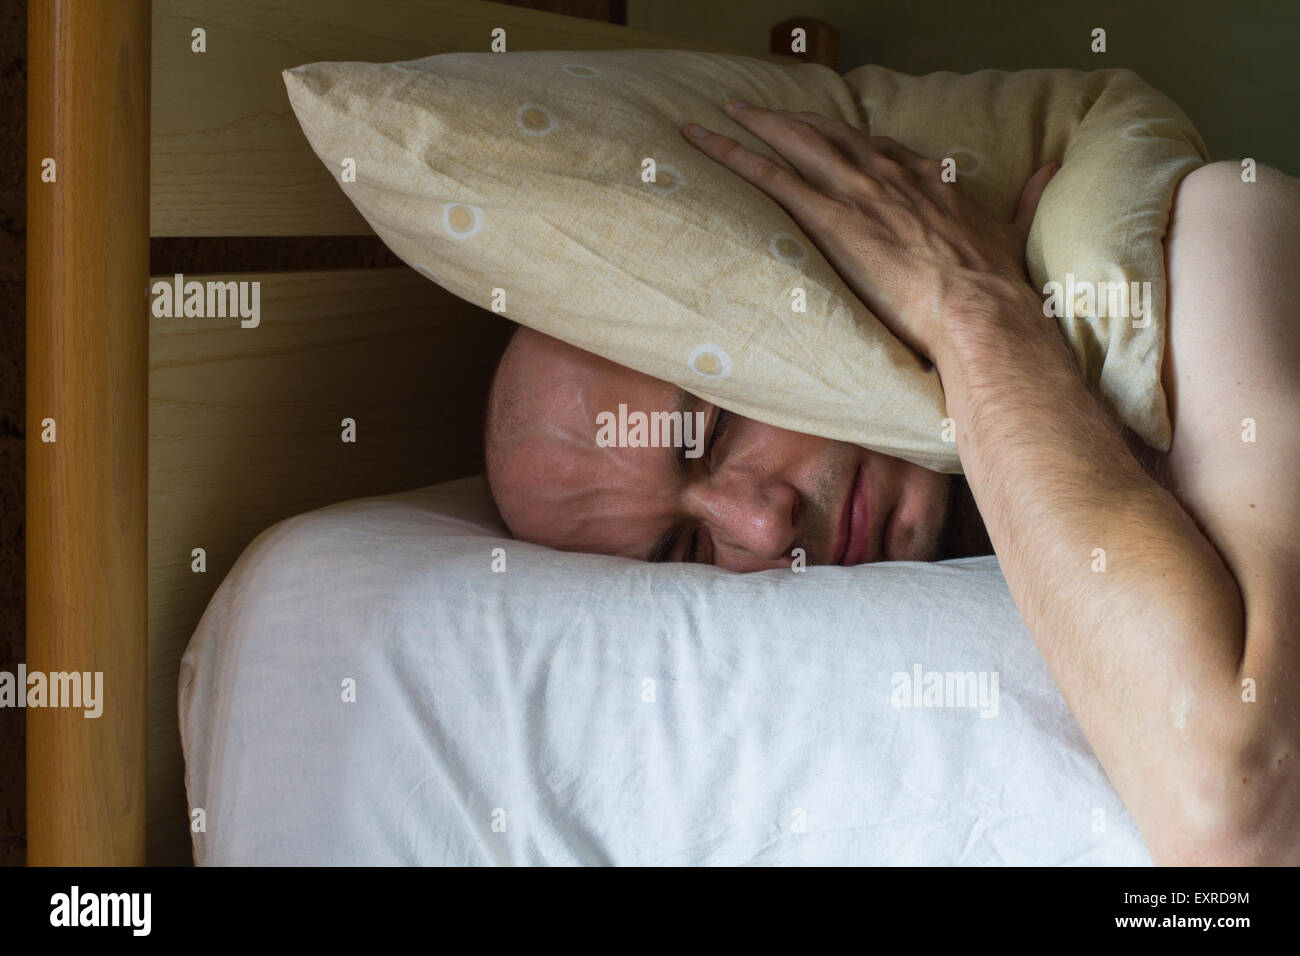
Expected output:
(585, 709)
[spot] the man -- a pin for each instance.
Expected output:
(1181, 659)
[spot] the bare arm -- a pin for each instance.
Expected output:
(1146, 652)
(1149, 653)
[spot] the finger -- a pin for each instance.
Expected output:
(866, 152)
(1031, 195)
(893, 149)
(925, 168)
(847, 139)
(795, 195)
(799, 143)
(855, 144)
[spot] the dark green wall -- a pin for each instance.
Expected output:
(1233, 67)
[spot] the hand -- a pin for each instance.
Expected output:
(914, 248)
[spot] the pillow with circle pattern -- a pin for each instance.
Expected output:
(555, 187)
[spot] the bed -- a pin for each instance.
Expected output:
(188, 451)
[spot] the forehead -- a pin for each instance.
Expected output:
(555, 484)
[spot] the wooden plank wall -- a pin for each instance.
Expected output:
(228, 156)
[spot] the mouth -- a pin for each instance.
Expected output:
(855, 524)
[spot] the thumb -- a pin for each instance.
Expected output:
(1033, 192)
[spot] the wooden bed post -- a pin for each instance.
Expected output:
(821, 40)
(87, 388)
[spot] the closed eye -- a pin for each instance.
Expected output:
(719, 428)
(720, 423)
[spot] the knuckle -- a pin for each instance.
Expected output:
(803, 129)
(726, 149)
(855, 189)
(931, 168)
(763, 169)
(890, 168)
(865, 186)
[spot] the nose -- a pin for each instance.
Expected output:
(749, 513)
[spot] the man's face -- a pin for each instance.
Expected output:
(755, 494)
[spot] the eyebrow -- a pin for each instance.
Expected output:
(686, 405)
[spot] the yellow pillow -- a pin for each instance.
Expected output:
(522, 181)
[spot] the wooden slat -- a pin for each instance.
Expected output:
(244, 430)
(228, 156)
(87, 353)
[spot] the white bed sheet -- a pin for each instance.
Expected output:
(577, 709)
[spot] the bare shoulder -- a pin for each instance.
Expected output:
(1232, 373)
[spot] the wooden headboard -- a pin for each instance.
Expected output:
(175, 434)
